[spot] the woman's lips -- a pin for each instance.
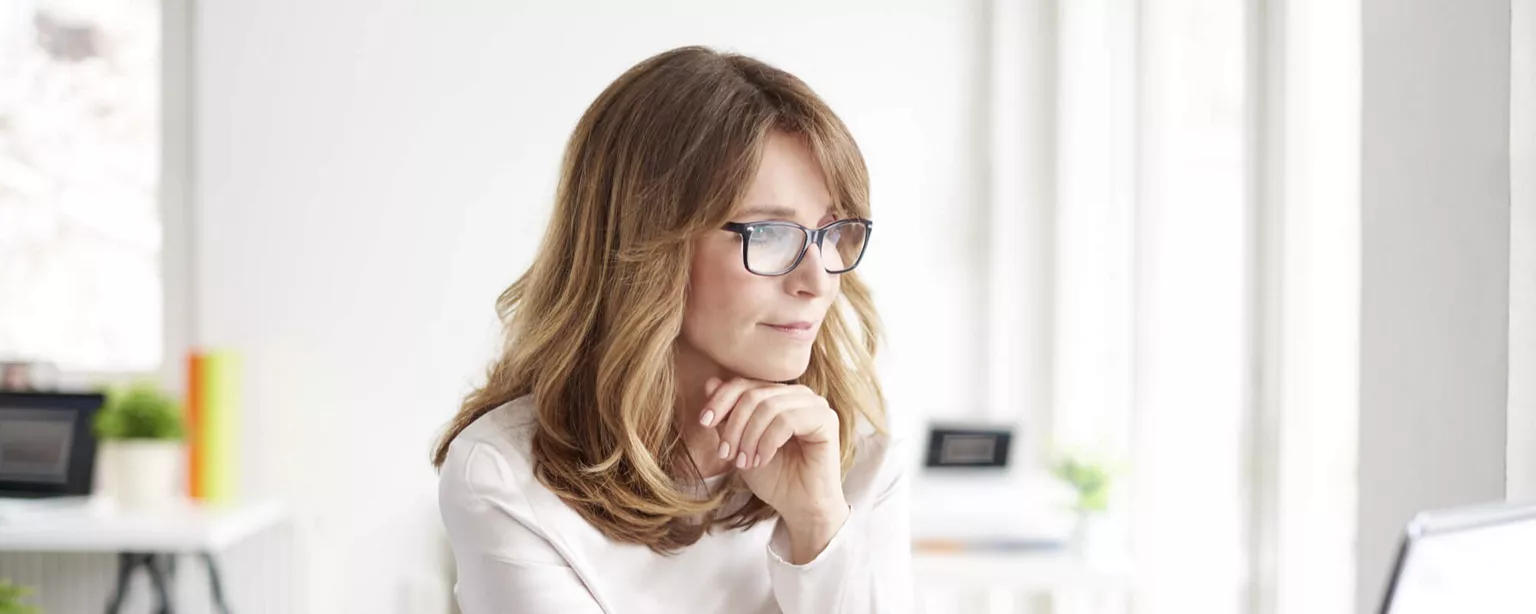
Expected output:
(797, 330)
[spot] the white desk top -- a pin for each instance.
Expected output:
(96, 527)
(1020, 571)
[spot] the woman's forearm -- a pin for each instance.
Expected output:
(809, 536)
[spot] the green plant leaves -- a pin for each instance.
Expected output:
(11, 596)
(140, 411)
(1090, 480)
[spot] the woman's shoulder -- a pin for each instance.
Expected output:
(491, 457)
(507, 427)
(487, 479)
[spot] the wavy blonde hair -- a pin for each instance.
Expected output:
(662, 156)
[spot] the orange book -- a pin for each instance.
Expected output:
(196, 484)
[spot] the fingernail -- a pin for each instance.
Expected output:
(757, 461)
(741, 460)
(725, 449)
(708, 417)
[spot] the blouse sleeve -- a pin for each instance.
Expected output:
(505, 565)
(865, 568)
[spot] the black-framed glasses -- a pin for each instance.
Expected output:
(776, 248)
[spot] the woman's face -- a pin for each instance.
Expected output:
(751, 325)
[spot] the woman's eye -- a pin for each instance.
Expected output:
(765, 233)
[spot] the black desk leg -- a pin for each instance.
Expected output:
(215, 584)
(161, 568)
(127, 562)
(157, 576)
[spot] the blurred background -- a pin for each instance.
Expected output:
(1244, 283)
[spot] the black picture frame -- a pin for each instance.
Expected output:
(82, 451)
(989, 447)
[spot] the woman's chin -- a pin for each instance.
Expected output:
(771, 368)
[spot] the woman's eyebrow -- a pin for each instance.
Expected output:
(775, 211)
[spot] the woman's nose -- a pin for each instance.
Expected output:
(810, 277)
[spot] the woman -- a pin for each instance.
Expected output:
(686, 417)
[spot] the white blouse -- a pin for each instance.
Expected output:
(521, 550)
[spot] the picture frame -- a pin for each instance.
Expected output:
(967, 447)
(47, 443)
(15, 376)
(24, 376)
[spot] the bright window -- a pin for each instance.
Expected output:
(80, 231)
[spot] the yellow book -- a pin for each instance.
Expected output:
(219, 428)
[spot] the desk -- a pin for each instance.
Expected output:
(1043, 575)
(147, 540)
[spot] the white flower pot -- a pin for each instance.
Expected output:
(1096, 536)
(1088, 532)
(144, 475)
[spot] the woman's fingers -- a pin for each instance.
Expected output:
(754, 418)
(799, 413)
(774, 437)
(747, 404)
(707, 414)
(722, 399)
(721, 403)
(806, 419)
(769, 411)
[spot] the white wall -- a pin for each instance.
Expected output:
(1435, 265)
(1314, 345)
(1522, 246)
(371, 173)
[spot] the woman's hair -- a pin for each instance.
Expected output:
(661, 157)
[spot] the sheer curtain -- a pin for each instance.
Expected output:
(1193, 308)
(1128, 161)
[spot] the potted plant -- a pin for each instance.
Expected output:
(1091, 480)
(144, 429)
(11, 597)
